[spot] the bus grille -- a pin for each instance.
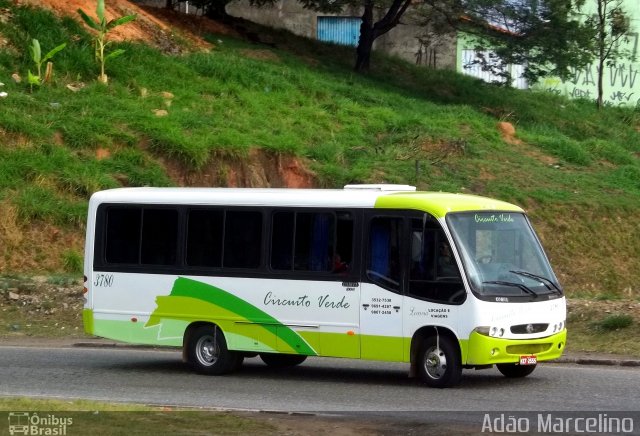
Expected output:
(527, 348)
(522, 328)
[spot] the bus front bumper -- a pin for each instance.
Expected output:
(486, 350)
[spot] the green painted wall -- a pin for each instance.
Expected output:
(621, 81)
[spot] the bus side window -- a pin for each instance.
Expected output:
(434, 273)
(159, 236)
(204, 238)
(343, 257)
(136, 235)
(384, 267)
(305, 241)
(242, 239)
(282, 226)
(122, 242)
(314, 235)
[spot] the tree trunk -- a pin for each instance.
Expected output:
(216, 10)
(600, 100)
(365, 41)
(363, 52)
(602, 40)
(369, 30)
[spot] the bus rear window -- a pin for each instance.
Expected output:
(141, 236)
(123, 235)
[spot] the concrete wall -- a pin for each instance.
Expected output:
(401, 41)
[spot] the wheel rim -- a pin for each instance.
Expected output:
(207, 351)
(435, 363)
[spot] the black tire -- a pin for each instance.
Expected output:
(439, 367)
(282, 360)
(511, 370)
(207, 352)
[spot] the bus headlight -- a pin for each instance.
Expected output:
(484, 330)
(495, 332)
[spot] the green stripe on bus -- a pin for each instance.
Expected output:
(184, 287)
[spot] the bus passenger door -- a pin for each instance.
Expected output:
(381, 293)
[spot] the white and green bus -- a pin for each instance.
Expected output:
(381, 272)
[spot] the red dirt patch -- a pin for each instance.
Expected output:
(260, 169)
(508, 132)
(113, 8)
(154, 26)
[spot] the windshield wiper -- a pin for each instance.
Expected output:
(542, 279)
(522, 286)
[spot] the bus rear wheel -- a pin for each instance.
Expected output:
(207, 352)
(282, 360)
(439, 363)
(511, 370)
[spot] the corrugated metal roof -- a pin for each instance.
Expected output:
(339, 30)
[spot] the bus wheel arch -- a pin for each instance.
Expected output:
(436, 357)
(205, 350)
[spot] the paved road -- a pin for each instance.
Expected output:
(319, 385)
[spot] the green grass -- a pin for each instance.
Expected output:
(84, 417)
(576, 169)
(590, 331)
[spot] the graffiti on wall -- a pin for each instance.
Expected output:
(621, 80)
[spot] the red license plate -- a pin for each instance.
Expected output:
(528, 360)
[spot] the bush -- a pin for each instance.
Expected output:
(614, 322)
(72, 261)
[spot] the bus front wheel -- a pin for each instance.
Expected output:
(511, 370)
(439, 362)
(207, 352)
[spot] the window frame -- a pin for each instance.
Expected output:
(352, 274)
(405, 251)
(386, 213)
(99, 263)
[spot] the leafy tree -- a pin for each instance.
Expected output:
(611, 25)
(548, 37)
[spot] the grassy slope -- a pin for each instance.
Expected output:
(576, 170)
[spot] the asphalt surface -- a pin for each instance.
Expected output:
(351, 397)
(102, 371)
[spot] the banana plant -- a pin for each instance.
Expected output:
(101, 26)
(39, 60)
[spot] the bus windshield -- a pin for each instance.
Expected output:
(502, 256)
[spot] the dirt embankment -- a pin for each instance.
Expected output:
(165, 29)
(40, 246)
